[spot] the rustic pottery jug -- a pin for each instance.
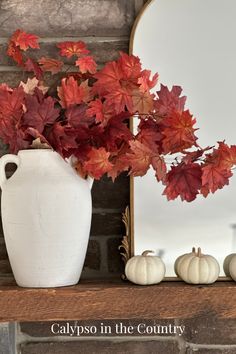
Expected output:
(46, 215)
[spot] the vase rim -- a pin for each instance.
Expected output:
(35, 150)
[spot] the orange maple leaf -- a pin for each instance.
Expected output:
(15, 53)
(70, 93)
(139, 158)
(142, 102)
(179, 132)
(51, 65)
(146, 83)
(86, 64)
(68, 49)
(24, 40)
(98, 163)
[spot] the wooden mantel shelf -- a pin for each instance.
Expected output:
(116, 300)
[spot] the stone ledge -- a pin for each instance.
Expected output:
(68, 18)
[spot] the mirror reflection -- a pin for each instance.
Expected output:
(192, 44)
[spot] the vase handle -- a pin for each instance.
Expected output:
(9, 158)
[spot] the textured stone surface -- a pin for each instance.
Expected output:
(6, 338)
(43, 329)
(212, 351)
(115, 264)
(102, 50)
(210, 330)
(13, 78)
(107, 224)
(67, 17)
(102, 347)
(93, 257)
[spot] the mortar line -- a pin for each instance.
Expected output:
(181, 342)
(87, 39)
(24, 338)
(210, 346)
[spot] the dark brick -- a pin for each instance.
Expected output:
(103, 51)
(5, 267)
(102, 347)
(212, 351)
(111, 195)
(209, 329)
(115, 264)
(43, 329)
(93, 256)
(3, 251)
(107, 224)
(67, 18)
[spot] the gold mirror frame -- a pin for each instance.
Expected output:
(127, 247)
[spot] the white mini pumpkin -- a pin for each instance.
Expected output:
(197, 268)
(145, 269)
(179, 259)
(230, 266)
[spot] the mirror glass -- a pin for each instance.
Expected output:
(191, 43)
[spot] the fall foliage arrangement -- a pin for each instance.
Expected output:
(87, 119)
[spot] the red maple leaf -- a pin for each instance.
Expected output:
(70, 93)
(100, 110)
(142, 102)
(24, 40)
(178, 132)
(139, 158)
(120, 99)
(159, 165)
(146, 83)
(40, 112)
(76, 116)
(224, 156)
(86, 91)
(217, 168)
(119, 162)
(169, 101)
(11, 111)
(184, 180)
(108, 79)
(130, 66)
(11, 104)
(5, 87)
(68, 49)
(86, 64)
(15, 53)
(98, 163)
(62, 138)
(96, 109)
(214, 178)
(116, 133)
(50, 65)
(149, 134)
(12, 135)
(31, 65)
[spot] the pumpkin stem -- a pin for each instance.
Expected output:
(193, 250)
(145, 253)
(199, 252)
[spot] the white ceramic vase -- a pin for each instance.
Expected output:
(46, 215)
